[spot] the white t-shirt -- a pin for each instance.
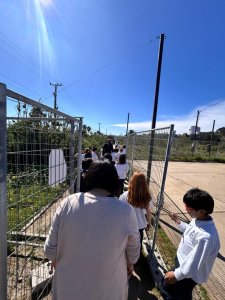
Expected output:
(94, 156)
(122, 170)
(140, 212)
(197, 250)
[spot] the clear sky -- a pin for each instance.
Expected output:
(105, 55)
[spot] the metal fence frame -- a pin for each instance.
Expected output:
(131, 141)
(74, 121)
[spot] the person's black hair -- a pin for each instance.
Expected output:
(102, 175)
(199, 199)
(88, 155)
(94, 149)
(108, 156)
(122, 159)
(86, 164)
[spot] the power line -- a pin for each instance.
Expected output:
(101, 68)
(213, 104)
(19, 51)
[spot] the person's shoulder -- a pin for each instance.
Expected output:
(123, 197)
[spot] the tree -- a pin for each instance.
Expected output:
(221, 131)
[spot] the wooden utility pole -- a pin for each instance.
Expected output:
(151, 145)
(55, 95)
(196, 125)
(99, 128)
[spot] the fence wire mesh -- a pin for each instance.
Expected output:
(138, 154)
(41, 170)
(148, 152)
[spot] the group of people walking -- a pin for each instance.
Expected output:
(115, 156)
(96, 238)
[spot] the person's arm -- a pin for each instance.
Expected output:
(181, 225)
(50, 246)
(133, 243)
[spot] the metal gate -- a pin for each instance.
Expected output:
(37, 146)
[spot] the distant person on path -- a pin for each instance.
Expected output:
(108, 147)
(117, 145)
(197, 250)
(122, 169)
(139, 197)
(93, 241)
(94, 154)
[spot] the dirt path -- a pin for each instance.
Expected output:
(141, 283)
(210, 177)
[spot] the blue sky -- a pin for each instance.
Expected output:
(105, 55)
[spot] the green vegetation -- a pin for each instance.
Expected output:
(26, 199)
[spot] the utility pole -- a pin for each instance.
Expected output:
(209, 146)
(55, 95)
(193, 146)
(196, 125)
(128, 118)
(151, 145)
(99, 124)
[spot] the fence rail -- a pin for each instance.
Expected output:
(37, 171)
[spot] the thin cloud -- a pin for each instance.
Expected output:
(182, 124)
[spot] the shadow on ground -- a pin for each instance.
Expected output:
(141, 282)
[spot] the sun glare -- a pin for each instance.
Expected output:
(46, 2)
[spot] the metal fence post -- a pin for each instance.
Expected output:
(72, 174)
(79, 155)
(160, 200)
(3, 194)
(132, 154)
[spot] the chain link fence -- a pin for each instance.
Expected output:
(37, 171)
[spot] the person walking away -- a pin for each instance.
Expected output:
(138, 196)
(197, 250)
(94, 154)
(122, 169)
(93, 241)
(107, 147)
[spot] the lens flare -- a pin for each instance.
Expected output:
(41, 34)
(46, 2)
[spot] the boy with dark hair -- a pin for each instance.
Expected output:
(197, 250)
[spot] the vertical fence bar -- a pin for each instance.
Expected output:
(160, 202)
(3, 194)
(71, 159)
(132, 154)
(79, 154)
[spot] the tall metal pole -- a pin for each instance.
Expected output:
(151, 145)
(79, 163)
(128, 119)
(3, 194)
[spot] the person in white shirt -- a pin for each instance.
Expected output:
(122, 169)
(197, 250)
(94, 154)
(138, 196)
(124, 149)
